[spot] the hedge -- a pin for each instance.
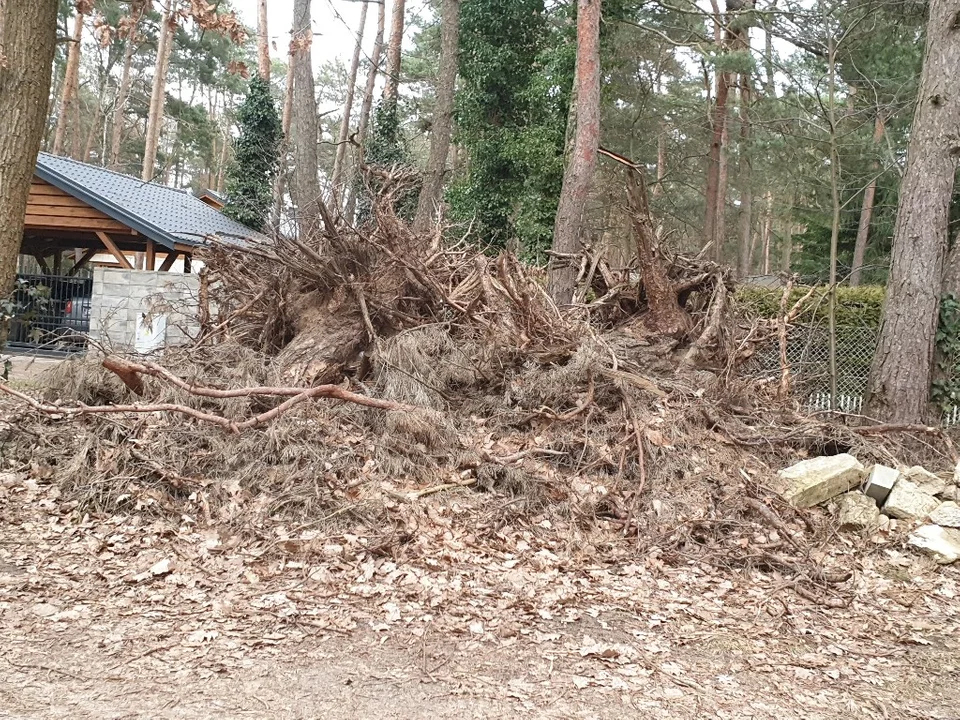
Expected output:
(856, 306)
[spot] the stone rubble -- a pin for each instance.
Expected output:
(943, 544)
(856, 511)
(925, 480)
(814, 481)
(890, 496)
(947, 515)
(908, 502)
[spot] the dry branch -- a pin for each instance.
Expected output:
(130, 372)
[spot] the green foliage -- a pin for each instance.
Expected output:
(945, 390)
(856, 306)
(516, 71)
(250, 174)
(386, 141)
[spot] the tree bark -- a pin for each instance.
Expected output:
(376, 58)
(28, 33)
(391, 87)
(664, 314)
(661, 159)
(902, 368)
(786, 249)
(767, 231)
(116, 132)
(866, 212)
(263, 41)
(71, 85)
(159, 94)
(578, 175)
(745, 255)
(366, 106)
(341, 152)
(718, 121)
(303, 126)
(431, 192)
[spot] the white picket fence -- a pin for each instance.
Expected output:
(819, 402)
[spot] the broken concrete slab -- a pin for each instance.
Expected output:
(947, 515)
(880, 482)
(856, 511)
(819, 479)
(943, 544)
(927, 481)
(908, 502)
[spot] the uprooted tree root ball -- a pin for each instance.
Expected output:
(348, 382)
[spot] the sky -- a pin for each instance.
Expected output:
(334, 26)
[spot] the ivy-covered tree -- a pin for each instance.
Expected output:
(516, 71)
(254, 166)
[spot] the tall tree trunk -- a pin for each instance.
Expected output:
(71, 86)
(92, 132)
(723, 172)
(366, 106)
(159, 95)
(303, 125)
(442, 130)
(786, 249)
(715, 114)
(902, 367)
(116, 132)
(866, 212)
(661, 159)
(578, 175)
(28, 33)
(341, 152)
(391, 87)
(713, 221)
(263, 41)
(767, 231)
(770, 88)
(376, 58)
(745, 256)
(280, 182)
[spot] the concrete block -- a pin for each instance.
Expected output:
(816, 480)
(947, 515)
(943, 544)
(880, 482)
(908, 502)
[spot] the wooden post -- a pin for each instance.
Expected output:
(151, 256)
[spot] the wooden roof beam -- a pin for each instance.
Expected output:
(114, 250)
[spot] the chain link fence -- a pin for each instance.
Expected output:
(808, 353)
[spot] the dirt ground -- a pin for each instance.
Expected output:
(133, 617)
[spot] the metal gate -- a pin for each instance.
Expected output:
(51, 313)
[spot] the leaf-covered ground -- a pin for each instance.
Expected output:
(132, 617)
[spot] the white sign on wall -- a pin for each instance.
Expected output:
(151, 333)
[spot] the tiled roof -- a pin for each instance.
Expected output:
(163, 214)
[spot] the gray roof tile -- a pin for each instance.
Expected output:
(165, 215)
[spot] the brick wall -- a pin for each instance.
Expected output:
(120, 297)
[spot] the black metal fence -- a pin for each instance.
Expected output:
(50, 312)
